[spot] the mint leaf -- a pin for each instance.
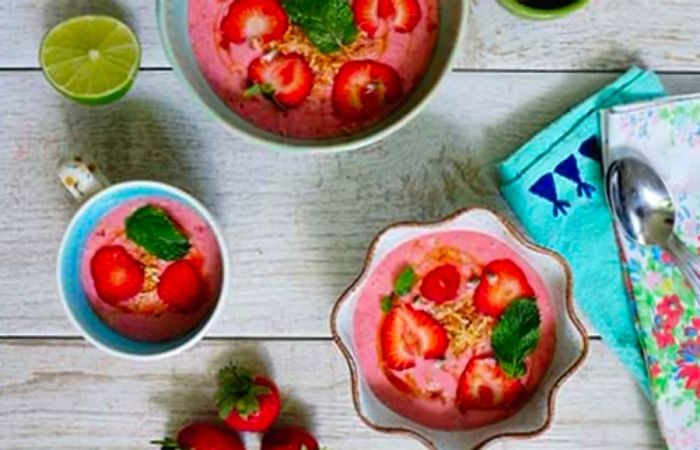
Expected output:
(387, 303)
(405, 281)
(151, 228)
(516, 336)
(329, 24)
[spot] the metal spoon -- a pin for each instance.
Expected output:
(643, 205)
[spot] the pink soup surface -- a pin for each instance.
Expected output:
(144, 317)
(468, 251)
(226, 68)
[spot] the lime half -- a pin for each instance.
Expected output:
(91, 59)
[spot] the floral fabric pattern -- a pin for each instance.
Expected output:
(667, 133)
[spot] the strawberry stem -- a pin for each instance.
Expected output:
(167, 444)
(238, 391)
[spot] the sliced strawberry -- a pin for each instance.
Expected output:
(407, 15)
(364, 88)
(483, 385)
(117, 275)
(181, 287)
(245, 402)
(367, 15)
(502, 281)
(407, 334)
(441, 284)
(287, 79)
(253, 19)
(401, 15)
(288, 438)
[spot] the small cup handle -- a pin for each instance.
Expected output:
(81, 178)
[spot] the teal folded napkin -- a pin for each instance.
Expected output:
(554, 185)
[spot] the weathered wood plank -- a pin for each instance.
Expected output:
(298, 226)
(66, 395)
(609, 34)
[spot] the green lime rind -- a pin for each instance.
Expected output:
(91, 59)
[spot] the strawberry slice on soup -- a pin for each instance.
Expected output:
(483, 385)
(402, 16)
(117, 275)
(502, 282)
(265, 20)
(181, 287)
(363, 89)
(286, 79)
(441, 284)
(408, 334)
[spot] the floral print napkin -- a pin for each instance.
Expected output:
(667, 134)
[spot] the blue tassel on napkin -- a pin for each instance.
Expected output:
(554, 185)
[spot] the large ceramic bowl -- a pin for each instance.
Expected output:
(536, 414)
(172, 23)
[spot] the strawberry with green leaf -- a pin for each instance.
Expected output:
(247, 402)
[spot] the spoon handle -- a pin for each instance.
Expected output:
(685, 261)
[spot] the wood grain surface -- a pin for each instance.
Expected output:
(63, 394)
(298, 227)
(607, 35)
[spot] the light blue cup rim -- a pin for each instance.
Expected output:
(79, 311)
(271, 141)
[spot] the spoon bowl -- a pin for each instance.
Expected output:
(641, 201)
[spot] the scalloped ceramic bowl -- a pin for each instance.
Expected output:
(535, 416)
(173, 26)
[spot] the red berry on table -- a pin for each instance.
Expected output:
(289, 438)
(484, 386)
(364, 88)
(181, 287)
(117, 275)
(286, 79)
(253, 19)
(441, 284)
(202, 436)
(502, 282)
(407, 333)
(245, 402)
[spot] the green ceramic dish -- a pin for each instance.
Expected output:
(172, 24)
(531, 12)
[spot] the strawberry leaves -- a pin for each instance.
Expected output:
(329, 24)
(238, 391)
(516, 336)
(151, 228)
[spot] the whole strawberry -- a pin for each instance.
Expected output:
(245, 402)
(289, 438)
(202, 436)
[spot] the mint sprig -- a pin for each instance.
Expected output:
(516, 336)
(329, 24)
(404, 281)
(151, 228)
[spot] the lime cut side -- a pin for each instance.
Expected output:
(91, 59)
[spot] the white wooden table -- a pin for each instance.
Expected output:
(298, 226)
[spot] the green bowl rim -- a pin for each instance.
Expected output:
(530, 12)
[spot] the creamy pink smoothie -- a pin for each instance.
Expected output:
(145, 317)
(432, 384)
(226, 67)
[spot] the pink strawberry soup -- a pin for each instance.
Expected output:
(441, 350)
(288, 69)
(162, 306)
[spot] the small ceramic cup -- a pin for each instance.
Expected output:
(520, 8)
(97, 197)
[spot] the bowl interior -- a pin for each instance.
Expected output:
(172, 22)
(571, 346)
(69, 268)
